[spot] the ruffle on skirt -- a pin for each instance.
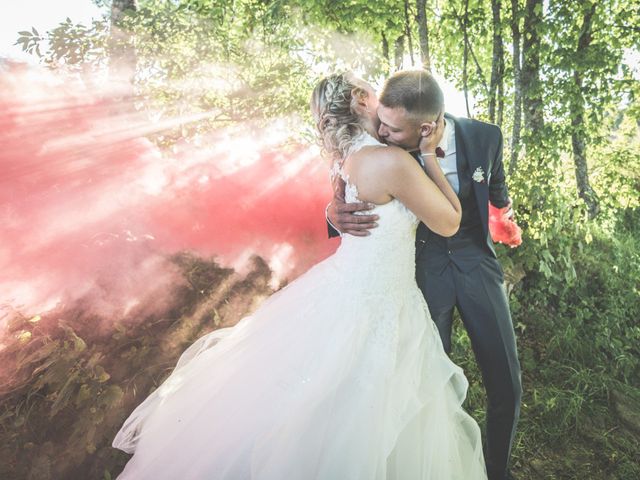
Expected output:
(326, 381)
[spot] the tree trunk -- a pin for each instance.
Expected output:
(399, 51)
(530, 73)
(465, 57)
(517, 87)
(500, 114)
(122, 66)
(119, 9)
(385, 51)
(497, 62)
(578, 131)
(464, 23)
(423, 33)
(407, 31)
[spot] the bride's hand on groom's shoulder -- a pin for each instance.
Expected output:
(343, 215)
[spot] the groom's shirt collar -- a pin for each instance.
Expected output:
(448, 141)
(449, 162)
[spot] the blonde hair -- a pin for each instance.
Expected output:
(334, 104)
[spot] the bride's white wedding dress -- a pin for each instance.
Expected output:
(341, 375)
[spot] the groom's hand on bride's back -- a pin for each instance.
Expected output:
(343, 216)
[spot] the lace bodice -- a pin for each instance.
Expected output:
(386, 258)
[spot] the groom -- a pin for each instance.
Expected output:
(461, 271)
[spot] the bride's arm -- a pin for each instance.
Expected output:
(430, 198)
(428, 145)
(435, 173)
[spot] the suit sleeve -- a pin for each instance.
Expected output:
(498, 193)
(332, 231)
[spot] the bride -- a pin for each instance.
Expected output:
(341, 375)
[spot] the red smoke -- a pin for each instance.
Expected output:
(89, 206)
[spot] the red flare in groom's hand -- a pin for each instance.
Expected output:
(502, 228)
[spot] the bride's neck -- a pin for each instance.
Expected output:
(369, 128)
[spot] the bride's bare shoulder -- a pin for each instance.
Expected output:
(375, 168)
(384, 159)
(381, 156)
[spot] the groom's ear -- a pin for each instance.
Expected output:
(427, 128)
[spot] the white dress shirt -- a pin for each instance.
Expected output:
(448, 163)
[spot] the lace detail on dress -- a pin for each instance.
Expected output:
(351, 191)
(394, 237)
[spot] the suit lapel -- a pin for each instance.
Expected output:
(461, 148)
(474, 161)
(461, 161)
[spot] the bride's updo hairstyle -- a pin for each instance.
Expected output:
(334, 105)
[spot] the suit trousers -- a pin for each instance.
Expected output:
(481, 299)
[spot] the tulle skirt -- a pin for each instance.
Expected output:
(326, 380)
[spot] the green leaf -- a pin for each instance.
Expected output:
(544, 268)
(101, 375)
(63, 395)
(111, 396)
(84, 394)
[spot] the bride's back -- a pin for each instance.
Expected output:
(384, 260)
(366, 169)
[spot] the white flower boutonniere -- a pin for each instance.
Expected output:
(478, 175)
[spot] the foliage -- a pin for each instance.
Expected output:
(66, 390)
(73, 45)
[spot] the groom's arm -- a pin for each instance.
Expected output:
(498, 192)
(348, 218)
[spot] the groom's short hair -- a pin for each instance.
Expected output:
(416, 91)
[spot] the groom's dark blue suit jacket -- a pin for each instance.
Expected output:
(478, 147)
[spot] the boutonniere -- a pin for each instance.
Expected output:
(478, 175)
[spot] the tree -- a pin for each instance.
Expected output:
(423, 34)
(578, 132)
(407, 31)
(517, 86)
(123, 54)
(465, 57)
(398, 51)
(497, 65)
(530, 75)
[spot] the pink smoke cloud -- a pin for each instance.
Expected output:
(90, 208)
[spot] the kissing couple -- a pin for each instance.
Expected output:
(344, 373)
